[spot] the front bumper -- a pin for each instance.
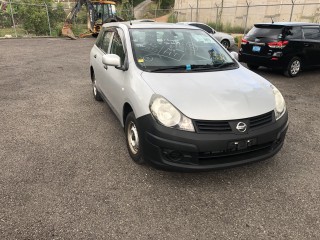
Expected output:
(174, 149)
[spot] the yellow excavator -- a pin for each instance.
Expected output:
(98, 12)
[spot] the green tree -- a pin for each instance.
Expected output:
(5, 18)
(165, 4)
(34, 16)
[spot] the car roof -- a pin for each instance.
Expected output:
(133, 25)
(287, 24)
(191, 23)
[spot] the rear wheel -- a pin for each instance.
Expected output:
(225, 43)
(96, 93)
(293, 68)
(132, 132)
(252, 66)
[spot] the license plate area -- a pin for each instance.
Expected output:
(256, 48)
(241, 145)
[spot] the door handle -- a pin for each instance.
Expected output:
(306, 44)
(95, 56)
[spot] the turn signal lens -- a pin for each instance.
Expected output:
(243, 41)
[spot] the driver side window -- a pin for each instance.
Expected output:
(117, 47)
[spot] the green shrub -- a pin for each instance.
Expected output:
(172, 18)
(226, 27)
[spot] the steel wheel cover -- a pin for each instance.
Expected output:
(133, 138)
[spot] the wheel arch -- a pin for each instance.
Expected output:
(91, 73)
(125, 111)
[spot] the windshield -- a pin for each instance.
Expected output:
(178, 49)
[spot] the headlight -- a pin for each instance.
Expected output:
(166, 114)
(280, 108)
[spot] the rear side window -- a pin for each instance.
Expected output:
(271, 32)
(293, 33)
(311, 33)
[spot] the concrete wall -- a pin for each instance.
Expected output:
(235, 11)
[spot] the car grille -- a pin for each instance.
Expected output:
(206, 126)
(212, 126)
(261, 120)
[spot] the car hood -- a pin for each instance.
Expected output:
(220, 95)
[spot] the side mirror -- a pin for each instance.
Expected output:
(235, 55)
(111, 60)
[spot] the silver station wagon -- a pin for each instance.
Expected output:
(184, 101)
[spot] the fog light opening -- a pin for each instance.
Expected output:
(173, 155)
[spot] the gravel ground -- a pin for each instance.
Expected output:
(65, 172)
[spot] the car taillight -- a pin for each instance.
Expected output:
(279, 44)
(243, 41)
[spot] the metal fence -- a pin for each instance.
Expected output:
(237, 19)
(11, 21)
(244, 16)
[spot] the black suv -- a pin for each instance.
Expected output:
(286, 46)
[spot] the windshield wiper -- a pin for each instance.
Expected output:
(180, 67)
(210, 66)
(227, 64)
(194, 67)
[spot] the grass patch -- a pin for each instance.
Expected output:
(226, 27)
(10, 31)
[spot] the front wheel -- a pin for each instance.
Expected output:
(293, 68)
(133, 139)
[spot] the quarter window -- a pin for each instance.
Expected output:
(311, 33)
(294, 33)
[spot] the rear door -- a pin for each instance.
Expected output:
(312, 44)
(256, 40)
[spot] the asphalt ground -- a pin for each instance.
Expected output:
(65, 172)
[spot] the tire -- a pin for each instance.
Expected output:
(252, 66)
(225, 43)
(96, 93)
(293, 68)
(133, 137)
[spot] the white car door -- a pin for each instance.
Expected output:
(102, 47)
(113, 81)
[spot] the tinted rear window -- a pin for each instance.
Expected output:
(274, 32)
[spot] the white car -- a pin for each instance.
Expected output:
(225, 39)
(184, 101)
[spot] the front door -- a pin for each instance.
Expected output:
(113, 85)
(312, 45)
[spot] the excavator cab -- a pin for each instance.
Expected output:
(98, 12)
